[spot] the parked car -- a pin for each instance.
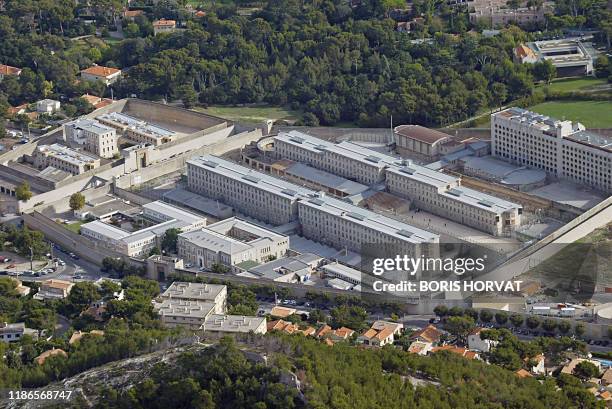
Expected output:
(4, 259)
(78, 276)
(188, 265)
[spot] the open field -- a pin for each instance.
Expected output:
(593, 114)
(74, 226)
(575, 84)
(251, 113)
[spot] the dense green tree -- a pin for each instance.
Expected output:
(585, 371)
(77, 201)
(486, 316)
(23, 192)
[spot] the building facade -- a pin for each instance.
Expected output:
(416, 139)
(258, 195)
(230, 242)
(64, 158)
(137, 130)
(427, 189)
(139, 243)
(345, 159)
(95, 137)
(107, 75)
(563, 149)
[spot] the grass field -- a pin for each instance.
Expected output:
(75, 226)
(575, 84)
(592, 114)
(252, 114)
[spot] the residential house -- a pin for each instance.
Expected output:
(428, 334)
(606, 378)
(376, 338)
(420, 348)
(132, 14)
(521, 373)
(283, 326)
(40, 359)
(47, 106)
(96, 310)
(164, 26)
(476, 343)
(323, 331)
(107, 75)
(8, 70)
(341, 334)
(397, 328)
(466, 353)
(282, 312)
(538, 368)
(569, 367)
(524, 54)
(14, 332)
(18, 110)
(53, 289)
(96, 101)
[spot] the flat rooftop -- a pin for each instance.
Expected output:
(233, 323)
(67, 154)
(275, 268)
(90, 125)
(369, 219)
(215, 237)
(197, 202)
(137, 124)
(401, 167)
(249, 177)
(570, 194)
(505, 172)
(193, 291)
(185, 308)
(342, 270)
(592, 139)
(167, 212)
(323, 178)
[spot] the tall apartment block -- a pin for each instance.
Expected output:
(561, 148)
(322, 218)
(343, 225)
(258, 195)
(427, 189)
(345, 159)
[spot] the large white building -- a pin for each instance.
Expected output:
(95, 137)
(137, 130)
(258, 195)
(561, 148)
(342, 225)
(230, 242)
(427, 189)
(140, 243)
(202, 307)
(346, 159)
(322, 218)
(64, 158)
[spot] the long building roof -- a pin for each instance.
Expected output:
(249, 177)
(367, 218)
(309, 197)
(401, 167)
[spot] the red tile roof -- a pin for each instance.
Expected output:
(521, 373)
(8, 70)
(100, 71)
(429, 334)
(164, 23)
